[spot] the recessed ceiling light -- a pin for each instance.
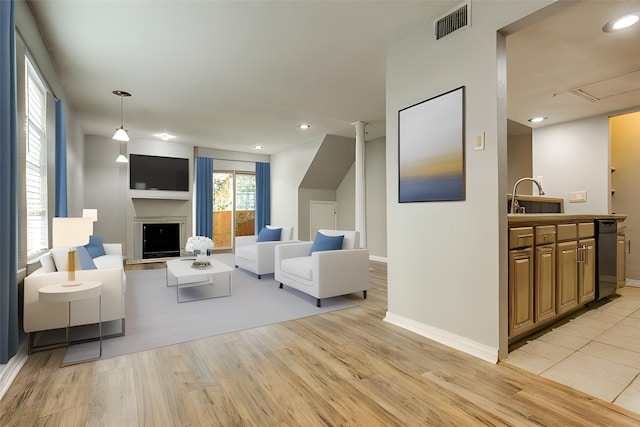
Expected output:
(164, 136)
(537, 119)
(621, 23)
(258, 147)
(304, 126)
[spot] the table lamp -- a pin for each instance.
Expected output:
(70, 233)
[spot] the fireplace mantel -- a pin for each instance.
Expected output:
(159, 195)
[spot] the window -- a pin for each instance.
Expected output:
(234, 206)
(36, 164)
(245, 192)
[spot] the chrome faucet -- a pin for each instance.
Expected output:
(514, 202)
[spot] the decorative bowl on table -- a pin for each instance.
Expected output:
(200, 264)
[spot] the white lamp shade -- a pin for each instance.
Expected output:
(90, 213)
(121, 135)
(122, 159)
(70, 232)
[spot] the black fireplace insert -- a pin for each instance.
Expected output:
(160, 240)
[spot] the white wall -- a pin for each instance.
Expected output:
(290, 205)
(108, 184)
(447, 270)
(346, 199)
(376, 210)
(574, 156)
(520, 163)
(287, 170)
(375, 176)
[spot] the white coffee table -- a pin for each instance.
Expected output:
(199, 283)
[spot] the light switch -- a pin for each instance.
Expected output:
(578, 197)
(479, 146)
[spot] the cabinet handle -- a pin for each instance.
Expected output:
(582, 254)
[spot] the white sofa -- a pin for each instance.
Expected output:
(41, 316)
(258, 257)
(324, 274)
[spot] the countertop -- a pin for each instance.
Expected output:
(558, 218)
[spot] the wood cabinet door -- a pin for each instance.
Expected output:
(545, 278)
(587, 271)
(567, 277)
(521, 316)
(620, 268)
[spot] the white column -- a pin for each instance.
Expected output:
(361, 205)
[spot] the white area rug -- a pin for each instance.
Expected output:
(154, 318)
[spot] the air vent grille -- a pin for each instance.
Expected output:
(453, 21)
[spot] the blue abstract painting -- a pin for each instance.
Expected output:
(431, 149)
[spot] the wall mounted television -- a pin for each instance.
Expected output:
(158, 173)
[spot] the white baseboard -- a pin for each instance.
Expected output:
(632, 283)
(9, 371)
(447, 338)
(378, 258)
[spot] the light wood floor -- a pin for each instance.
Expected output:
(341, 368)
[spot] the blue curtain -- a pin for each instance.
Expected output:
(204, 196)
(263, 195)
(8, 186)
(61, 161)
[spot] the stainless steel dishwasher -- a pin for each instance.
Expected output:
(606, 252)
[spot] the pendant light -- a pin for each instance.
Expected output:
(121, 132)
(121, 157)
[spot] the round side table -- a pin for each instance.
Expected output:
(64, 292)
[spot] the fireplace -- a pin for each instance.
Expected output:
(160, 240)
(153, 224)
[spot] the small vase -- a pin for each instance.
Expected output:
(201, 256)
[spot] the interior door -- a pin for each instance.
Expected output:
(323, 217)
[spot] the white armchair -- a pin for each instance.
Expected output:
(324, 274)
(258, 257)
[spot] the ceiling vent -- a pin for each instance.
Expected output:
(620, 85)
(455, 20)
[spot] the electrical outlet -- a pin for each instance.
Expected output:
(578, 197)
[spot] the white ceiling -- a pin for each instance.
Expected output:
(233, 74)
(227, 74)
(569, 50)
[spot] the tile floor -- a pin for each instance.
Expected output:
(597, 353)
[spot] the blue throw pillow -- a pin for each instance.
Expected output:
(86, 262)
(269, 234)
(94, 247)
(326, 243)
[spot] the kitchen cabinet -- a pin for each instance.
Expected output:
(567, 277)
(586, 263)
(521, 285)
(552, 268)
(576, 266)
(545, 273)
